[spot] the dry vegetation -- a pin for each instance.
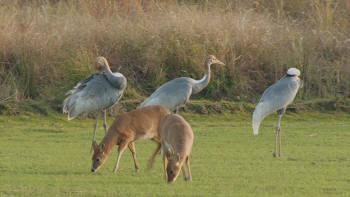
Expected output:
(47, 46)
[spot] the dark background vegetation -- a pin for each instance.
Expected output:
(46, 47)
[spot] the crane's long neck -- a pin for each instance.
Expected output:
(116, 81)
(201, 84)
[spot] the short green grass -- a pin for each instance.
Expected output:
(49, 156)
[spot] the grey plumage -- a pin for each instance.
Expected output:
(276, 98)
(96, 93)
(176, 92)
(92, 94)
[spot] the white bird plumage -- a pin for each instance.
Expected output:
(96, 93)
(276, 98)
(175, 93)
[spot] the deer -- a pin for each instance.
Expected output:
(141, 123)
(176, 144)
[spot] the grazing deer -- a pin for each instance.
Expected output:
(177, 140)
(141, 123)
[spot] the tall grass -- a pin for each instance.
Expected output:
(47, 46)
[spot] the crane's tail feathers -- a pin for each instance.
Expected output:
(260, 112)
(256, 124)
(68, 108)
(65, 105)
(70, 118)
(70, 115)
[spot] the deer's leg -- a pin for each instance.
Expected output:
(184, 171)
(151, 160)
(121, 149)
(189, 175)
(133, 152)
(105, 121)
(94, 133)
(164, 167)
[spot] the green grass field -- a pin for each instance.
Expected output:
(49, 156)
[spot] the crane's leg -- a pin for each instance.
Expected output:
(94, 133)
(274, 153)
(278, 133)
(133, 152)
(105, 121)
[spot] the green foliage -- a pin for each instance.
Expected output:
(49, 156)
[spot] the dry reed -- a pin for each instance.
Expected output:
(47, 46)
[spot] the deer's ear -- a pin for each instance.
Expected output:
(94, 145)
(177, 157)
(102, 147)
(168, 153)
(169, 148)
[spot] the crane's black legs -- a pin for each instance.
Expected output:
(105, 121)
(94, 133)
(278, 133)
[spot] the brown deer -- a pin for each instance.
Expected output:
(141, 123)
(177, 140)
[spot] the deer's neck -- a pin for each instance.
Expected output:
(109, 141)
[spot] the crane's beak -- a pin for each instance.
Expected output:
(219, 62)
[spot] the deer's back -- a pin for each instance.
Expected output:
(141, 123)
(176, 131)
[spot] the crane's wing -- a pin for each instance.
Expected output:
(81, 84)
(91, 94)
(171, 94)
(276, 97)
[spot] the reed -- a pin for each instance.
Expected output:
(47, 46)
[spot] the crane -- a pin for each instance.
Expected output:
(276, 98)
(98, 92)
(175, 93)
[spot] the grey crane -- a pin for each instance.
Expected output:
(176, 92)
(276, 98)
(96, 93)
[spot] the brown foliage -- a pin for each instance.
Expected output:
(47, 46)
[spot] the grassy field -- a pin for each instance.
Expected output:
(49, 156)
